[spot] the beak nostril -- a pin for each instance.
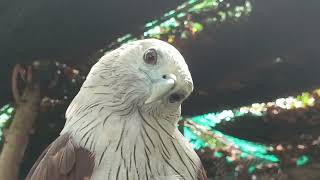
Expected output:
(165, 76)
(169, 76)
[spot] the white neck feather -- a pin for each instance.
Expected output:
(146, 145)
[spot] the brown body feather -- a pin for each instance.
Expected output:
(63, 160)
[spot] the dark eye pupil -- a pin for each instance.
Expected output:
(150, 57)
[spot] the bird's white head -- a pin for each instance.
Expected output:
(162, 66)
(148, 75)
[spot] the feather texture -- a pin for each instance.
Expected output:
(62, 160)
(130, 139)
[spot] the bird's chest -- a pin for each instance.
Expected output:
(140, 170)
(143, 163)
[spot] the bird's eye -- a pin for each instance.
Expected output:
(150, 56)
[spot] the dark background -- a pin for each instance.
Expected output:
(273, 53)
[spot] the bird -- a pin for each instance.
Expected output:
(122, 124)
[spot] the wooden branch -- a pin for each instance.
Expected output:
(17, 70)
(17, 136)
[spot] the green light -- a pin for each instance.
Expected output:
(204, 121)
(255, 149)
(197, 27)
(181, 6)
(169, 13)
(222, 15)
(6, 113)
(244, 155)
(237, 14)
(124, 38)
(4, 118)
(217, 154)
(153, 32)
(193, 139)
(302, 160)
(192, 1)
(170, 23)
(180, 15)
(10, 110)
(152, 23)
(229, 160)
(4, 107)
(251, 169)
(206, 4)
(248, 6)
(239, 8)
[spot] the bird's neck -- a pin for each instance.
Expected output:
(96, 128)
(134, 140)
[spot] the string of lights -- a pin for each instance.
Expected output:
(188, 20)
(201, 133)
(305, 99)
(207, 122)
(6, 113)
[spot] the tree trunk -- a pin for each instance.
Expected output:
(17, 136)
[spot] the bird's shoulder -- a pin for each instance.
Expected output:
(63, 160)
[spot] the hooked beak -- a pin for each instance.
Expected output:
(161, 87)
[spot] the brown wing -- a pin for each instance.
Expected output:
(202, 174)
(62, 160)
